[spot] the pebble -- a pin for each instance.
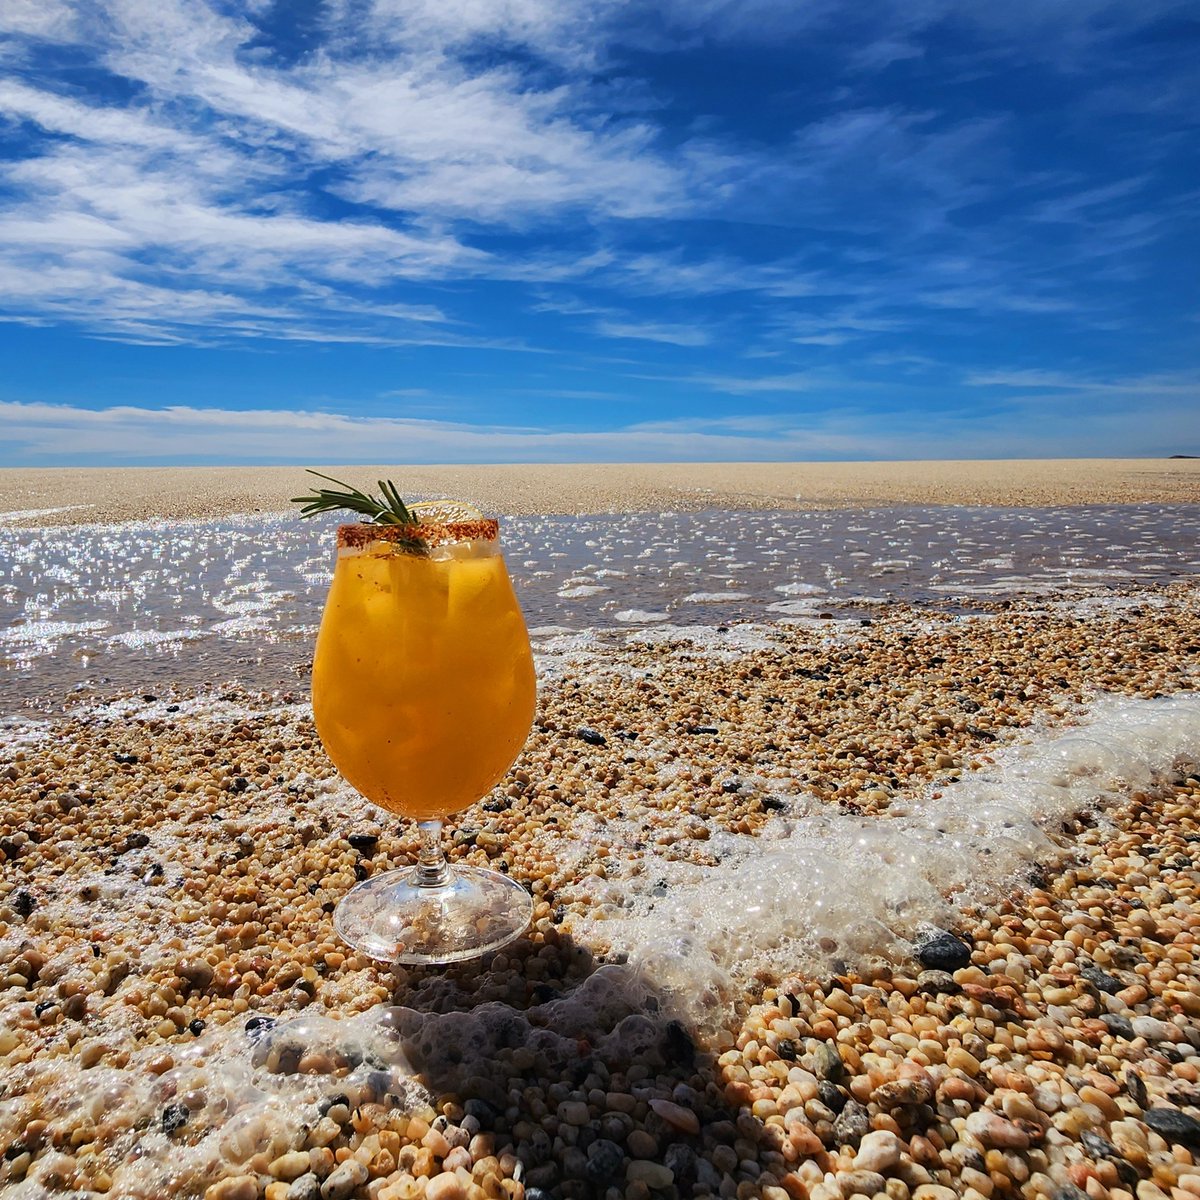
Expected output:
(342, 1180)
(641, 1143)
(1153, 1029)
(446, 1186)
(995, 1131)
(860, 1182)
(233, 1187)
(936, 983)
(903, 1093)
(652, 1174)
(940, 950)
(878, 1151)
(289, 1166)
(306, 1187)
(1119, 1026)
(1059, 1032)
(853, 1122)
(675, 1115)
(1173, 1125)
(604, 1161)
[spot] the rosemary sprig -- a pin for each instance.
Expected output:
(388, 510)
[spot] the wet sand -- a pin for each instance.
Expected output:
(85, 495)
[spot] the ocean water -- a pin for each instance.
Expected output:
(143, 607)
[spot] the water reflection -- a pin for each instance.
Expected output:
(143, 606)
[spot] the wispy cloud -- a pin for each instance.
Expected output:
(672, 335)
(1179, 384)
(732, 385)
(128, 434)
(131, 434)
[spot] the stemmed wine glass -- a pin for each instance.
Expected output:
(423, 695)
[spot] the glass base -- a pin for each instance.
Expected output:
(395, 920)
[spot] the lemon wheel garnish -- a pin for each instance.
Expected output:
(444, 512)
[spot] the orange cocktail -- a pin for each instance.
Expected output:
(423, 684)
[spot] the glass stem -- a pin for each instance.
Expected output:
(432, 868)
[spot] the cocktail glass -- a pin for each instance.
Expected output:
(423, 695)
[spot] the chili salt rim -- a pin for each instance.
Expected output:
(432, 533)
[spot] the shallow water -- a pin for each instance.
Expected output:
(144, 607)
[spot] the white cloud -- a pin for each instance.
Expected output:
(49, 20)
(65, 433)
(70, 434)
(795, 381)
(1159, 386)
(672, 335)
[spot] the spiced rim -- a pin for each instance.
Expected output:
(432, 533)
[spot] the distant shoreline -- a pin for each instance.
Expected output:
(40, 496)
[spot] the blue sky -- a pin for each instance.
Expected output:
(570, 230)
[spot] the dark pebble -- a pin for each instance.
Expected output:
(830, 1096)
(23, 902)
(196, 1027)
(786, 1049)
(678, 1044)
(593, 737)
(604, 1161)
(1118, 1025)
(731, 785)
(1136, 1088)
(126, 760)
(853, 1123)
(1173, 1125)
(257, 1026)
(174, 1117)
(1097, 1146)
(680, 1160)
(365, 843)
(942, 951)
(1102, 981)
(829, 1063)
(574, 1164)
(702, 729)
(482, 1111)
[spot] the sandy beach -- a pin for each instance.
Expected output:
(712, 1000)
(84, 495)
